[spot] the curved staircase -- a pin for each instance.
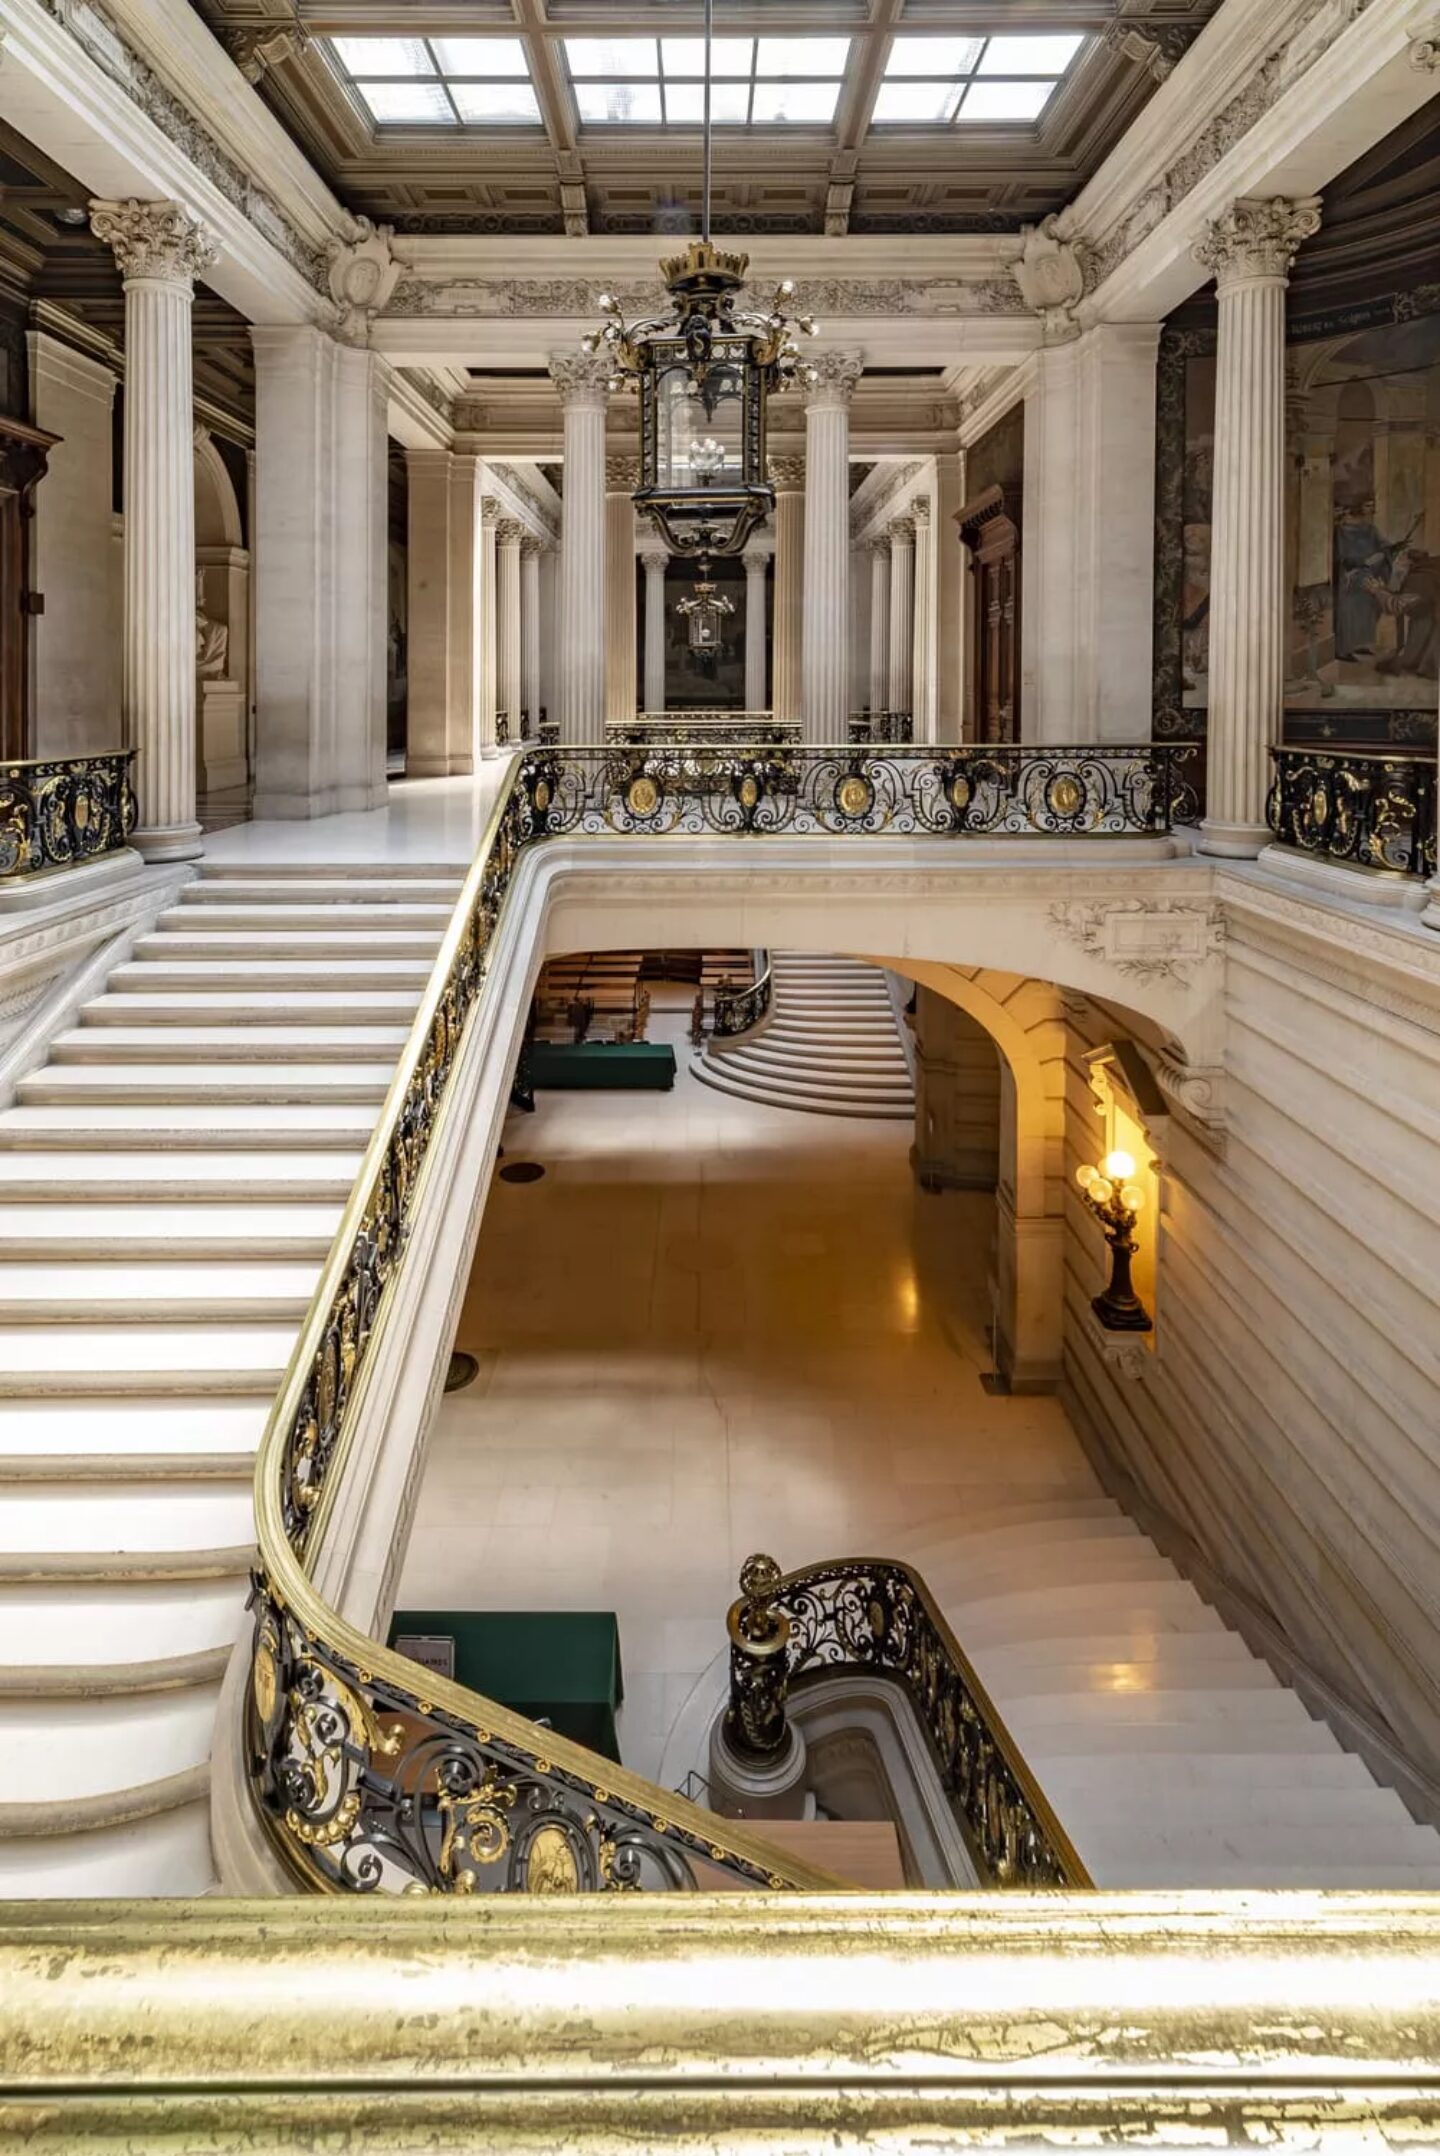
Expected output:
(170, 1182)
(831, 1044)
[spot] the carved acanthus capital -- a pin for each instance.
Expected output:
(1050, 271)
(787, 475)
(509, 531)
(1256, 238)
(622, 475)
(836, 374)
(900, 531)
(656, 560)
(920, 511)
(530, 547)
(361, 274)
(489, 512)
(158, 240)
(756, 558)
(582, 378)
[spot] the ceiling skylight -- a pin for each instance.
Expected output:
(932, 81)
(660, 81)
(440, 81)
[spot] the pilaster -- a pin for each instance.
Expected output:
(508, 659)
(788, 611)
(530, 636)
(583, 385)
(879, 624)
(487, 624)
(825, 642)
(900, 688)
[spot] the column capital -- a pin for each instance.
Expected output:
(787, 474)
(920, 510)
(531, 548)
(490, 512)
(834, 375)
(582, 378)
(878, 548)
(509, 531)
(157, 240)
(655, 560)
(900, 531)
(622, 475)
(1257, 238)
(756, 560)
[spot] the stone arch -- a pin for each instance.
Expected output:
(217, 512)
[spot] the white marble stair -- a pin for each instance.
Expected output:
(831, 1044)
(170, 1182)
(1172, 1755)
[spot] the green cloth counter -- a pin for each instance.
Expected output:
(635, 1066)
(562, 1665)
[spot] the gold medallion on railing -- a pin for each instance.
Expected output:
(854, 795)
(1319, 805)
(749, 790)
(550, 1866)
(960, 791)
(1064, 794)
(263, 1677)
(643, 797)
(542, 795)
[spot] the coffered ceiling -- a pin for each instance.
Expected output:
(556, 116)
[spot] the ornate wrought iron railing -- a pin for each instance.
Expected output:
(663, 729)
(1375, 812)
(60, 812)
(738, 1009)
(895, 727)
(854, 791)
(370, 1773)
(875, 1616)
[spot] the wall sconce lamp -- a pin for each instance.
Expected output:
(1115, 1198)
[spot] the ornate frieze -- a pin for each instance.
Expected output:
(1147, 939)
(568, 298)
(360, 275)
(1256, 238)
(153, 239)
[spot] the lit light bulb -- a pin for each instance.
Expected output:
(1100, 1190)
(1132, 1197)
(1118, 1166)
(1085, 1175)
(787, 288)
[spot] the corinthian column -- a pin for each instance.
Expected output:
(1250, 248)
(788, 477)
(900, 688)
(582, 382)
(530, 635)
(755, 564)
(160, 250)
(488, 625)
(656, 560)
(879, 624)
(508, 534)
(621, 479)
(826, 641)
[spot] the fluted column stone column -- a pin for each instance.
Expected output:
(583, 385)
(900, 689)
(621, 479)
(922, 663)
(1250, 248)
(530, 636)
(508, 534)
(825, 643)
(464, 730)
(756, 562)
(427, 613)
(487, 630)
(656, 561)
(879, 624)
(160, 250)
(788, 613)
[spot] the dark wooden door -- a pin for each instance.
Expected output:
(990, 527)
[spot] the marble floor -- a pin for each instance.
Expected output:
(713, 1327)
(425, 822)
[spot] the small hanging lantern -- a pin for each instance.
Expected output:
(703, 377)
(705, 609)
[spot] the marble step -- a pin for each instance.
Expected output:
(194, 1085)
(159, 1436)
(328, 1008)
(164, 1513)
(1179, 1737)
(200, 940)
(839, 1071)
(350, 873)
(161, 1847)
(814, 1103)
(294, 1233)
(301, 914)
(229, 1044)
(260, 974)
(74, 1749)
(265, 1291)
(125, 1618)
(322, 890)
(879, 1066)
(65, 1362)
(103, 1179)
(831, 1083)
(170, 1126)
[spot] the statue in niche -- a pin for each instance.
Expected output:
(212, 638)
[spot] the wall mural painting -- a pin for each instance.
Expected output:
(1362, 528)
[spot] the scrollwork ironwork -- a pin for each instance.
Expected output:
(738, 1009)
(1375, 812)
(59, 813)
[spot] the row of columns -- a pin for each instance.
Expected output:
(902, 670)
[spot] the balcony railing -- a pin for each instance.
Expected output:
(738, 1010)
(369, 1773)
(61, 812)
(896, 727)
(1375, 812)
(875, 1617)
(718, 727)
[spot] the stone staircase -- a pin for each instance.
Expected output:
(170, 1182)
(831, 1044)
(1172, 1756)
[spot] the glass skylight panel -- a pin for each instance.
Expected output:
(384, 55)
(401, 104)
(1029, 55)
(685, 103)
(486, 57)
(685, 56)
(921, 104)
(489, 104)
(618, 57)
(795, 103)
(633, 104)
(1005, 100)
(802, 56)
(934, 56)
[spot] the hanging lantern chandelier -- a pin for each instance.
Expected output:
(705, 610)
(703, 375)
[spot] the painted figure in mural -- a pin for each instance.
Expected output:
(1369, 569)
(1417, 602)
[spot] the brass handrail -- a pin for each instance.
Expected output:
(740, 1010)
(877, 1615)
(58, 812)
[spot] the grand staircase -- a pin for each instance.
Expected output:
(831, 1045)
(1172, 1756)
(170, 1182)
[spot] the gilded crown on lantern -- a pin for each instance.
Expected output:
(705, 271)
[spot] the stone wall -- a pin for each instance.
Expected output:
(957, 1098)
(74, 651)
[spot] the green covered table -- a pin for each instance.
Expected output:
(638, 1066)
(562, 1666)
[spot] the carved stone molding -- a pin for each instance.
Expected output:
(1124, 1353)
(581, 377)
(1257, 238)
(1050, 272)
(1195, 1088)
(1146, 939)
(868, 509)
(159, 240)
(256, 48)
(1425, 54)
(836, 374)
(361, 274)
(573, 298)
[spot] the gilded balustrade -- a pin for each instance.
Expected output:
(60, 812)
(737, 1010)
(1364, 811)
(371, 1774)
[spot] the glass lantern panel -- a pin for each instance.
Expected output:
(700, 426)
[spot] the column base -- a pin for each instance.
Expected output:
(169, 842)
(1232, 841)
(1430, 918)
